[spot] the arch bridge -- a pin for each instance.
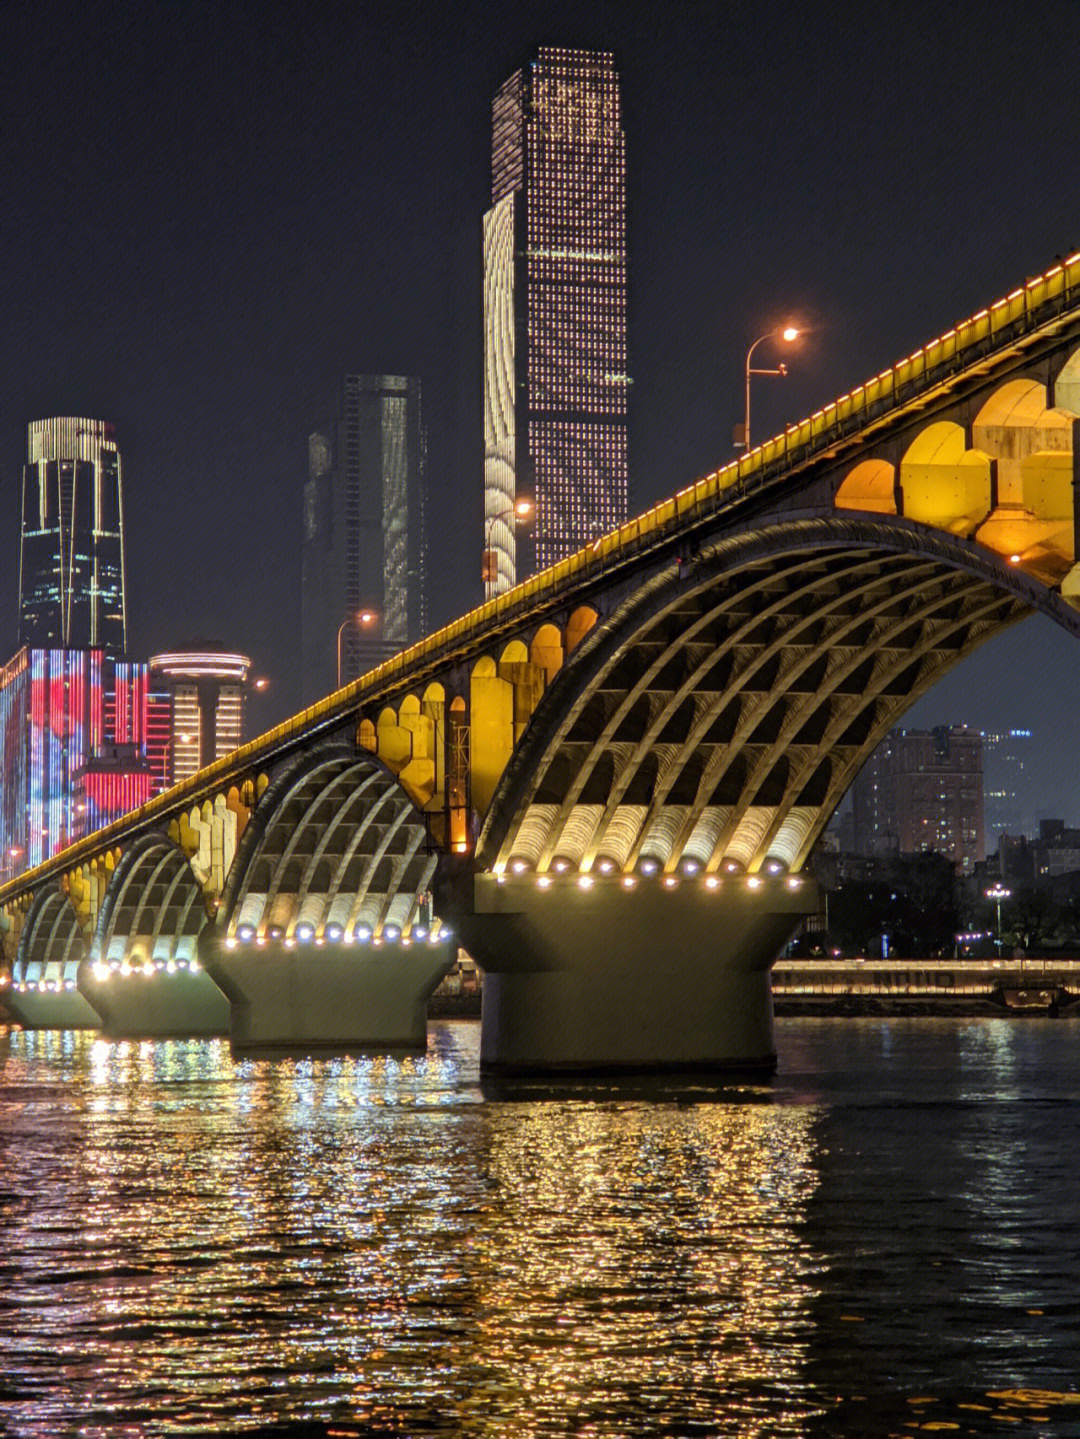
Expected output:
(608, 780)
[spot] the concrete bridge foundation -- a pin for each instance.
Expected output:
(179, 1001)
(56, 1007)
(297, 997)
(630, 973)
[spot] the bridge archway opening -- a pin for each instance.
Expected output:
(1032, 522)
(945, 485)
(578, 626)
(1067, 386)
(491, 713)
(870, 486)
(339, 853)
(1018, 404)
(546, 650)
(51, 944)
(748, 699)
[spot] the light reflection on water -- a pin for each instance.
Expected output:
(191, 1243)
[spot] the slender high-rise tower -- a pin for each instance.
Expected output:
(71, 555)
(364, 535)
(555, 367)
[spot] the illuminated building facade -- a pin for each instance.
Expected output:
(555, 354)
(1006, 756)
(59, 713)
(922, 790)
(364, 531)
(71, 553)
(207, 688)
(109, 784)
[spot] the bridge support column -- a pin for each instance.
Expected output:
(55, 1007)
(141, 1001)
(342, 997)
(616, 977)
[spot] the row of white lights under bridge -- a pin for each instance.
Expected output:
(305, 934)
(563, 874)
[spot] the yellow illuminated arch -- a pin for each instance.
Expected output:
(945, 484)
(579, 625)
(871, 486)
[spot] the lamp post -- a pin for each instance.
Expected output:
(12, 855)
(518, 510)
(997, 893)
(788, 333)
(167, 751)
(360, 618)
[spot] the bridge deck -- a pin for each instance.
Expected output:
(1038, 308)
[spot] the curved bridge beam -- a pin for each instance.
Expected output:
(44, 993)
(324, 937)
(714, 721)
(143, 973)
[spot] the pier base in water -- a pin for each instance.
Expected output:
(176, 1003)
(340, 998)
(607, 977)
(59, 1008)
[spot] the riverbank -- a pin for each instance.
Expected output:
(935, 988)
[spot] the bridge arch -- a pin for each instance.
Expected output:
(945, 484)
(870, 486)
(153, 911)
(716, 719)
(51, 944)
(336, 850)
(1067, 385)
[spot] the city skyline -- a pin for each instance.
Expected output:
(249, 271)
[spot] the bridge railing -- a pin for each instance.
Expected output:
(1037, 303)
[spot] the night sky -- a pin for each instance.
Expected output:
(213, 212)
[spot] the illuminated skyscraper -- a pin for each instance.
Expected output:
(555, 366)
(71, 555)
(1006, 756)
(922, 790)
(364, 537)
(208, 686)
(74, 739)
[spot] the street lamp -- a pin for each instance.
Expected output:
(12, 855)
(788, 333)
(998, 892)
(166, 772)
(360, 618)
(517, 510)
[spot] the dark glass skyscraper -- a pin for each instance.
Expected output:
(71, 555)
(555, 368)
(364, 537)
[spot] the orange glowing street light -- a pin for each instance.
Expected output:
(520, 509)
(787, 333)
(361, 618)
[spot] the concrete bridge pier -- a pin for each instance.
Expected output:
(610, 972)
(140, 999)
(49, 1004)
(343, 996)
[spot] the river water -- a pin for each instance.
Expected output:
(884, 1238)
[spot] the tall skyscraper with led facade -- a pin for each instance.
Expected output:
(71, 555)
(555, 365)
(364, 535)
(61, 711)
